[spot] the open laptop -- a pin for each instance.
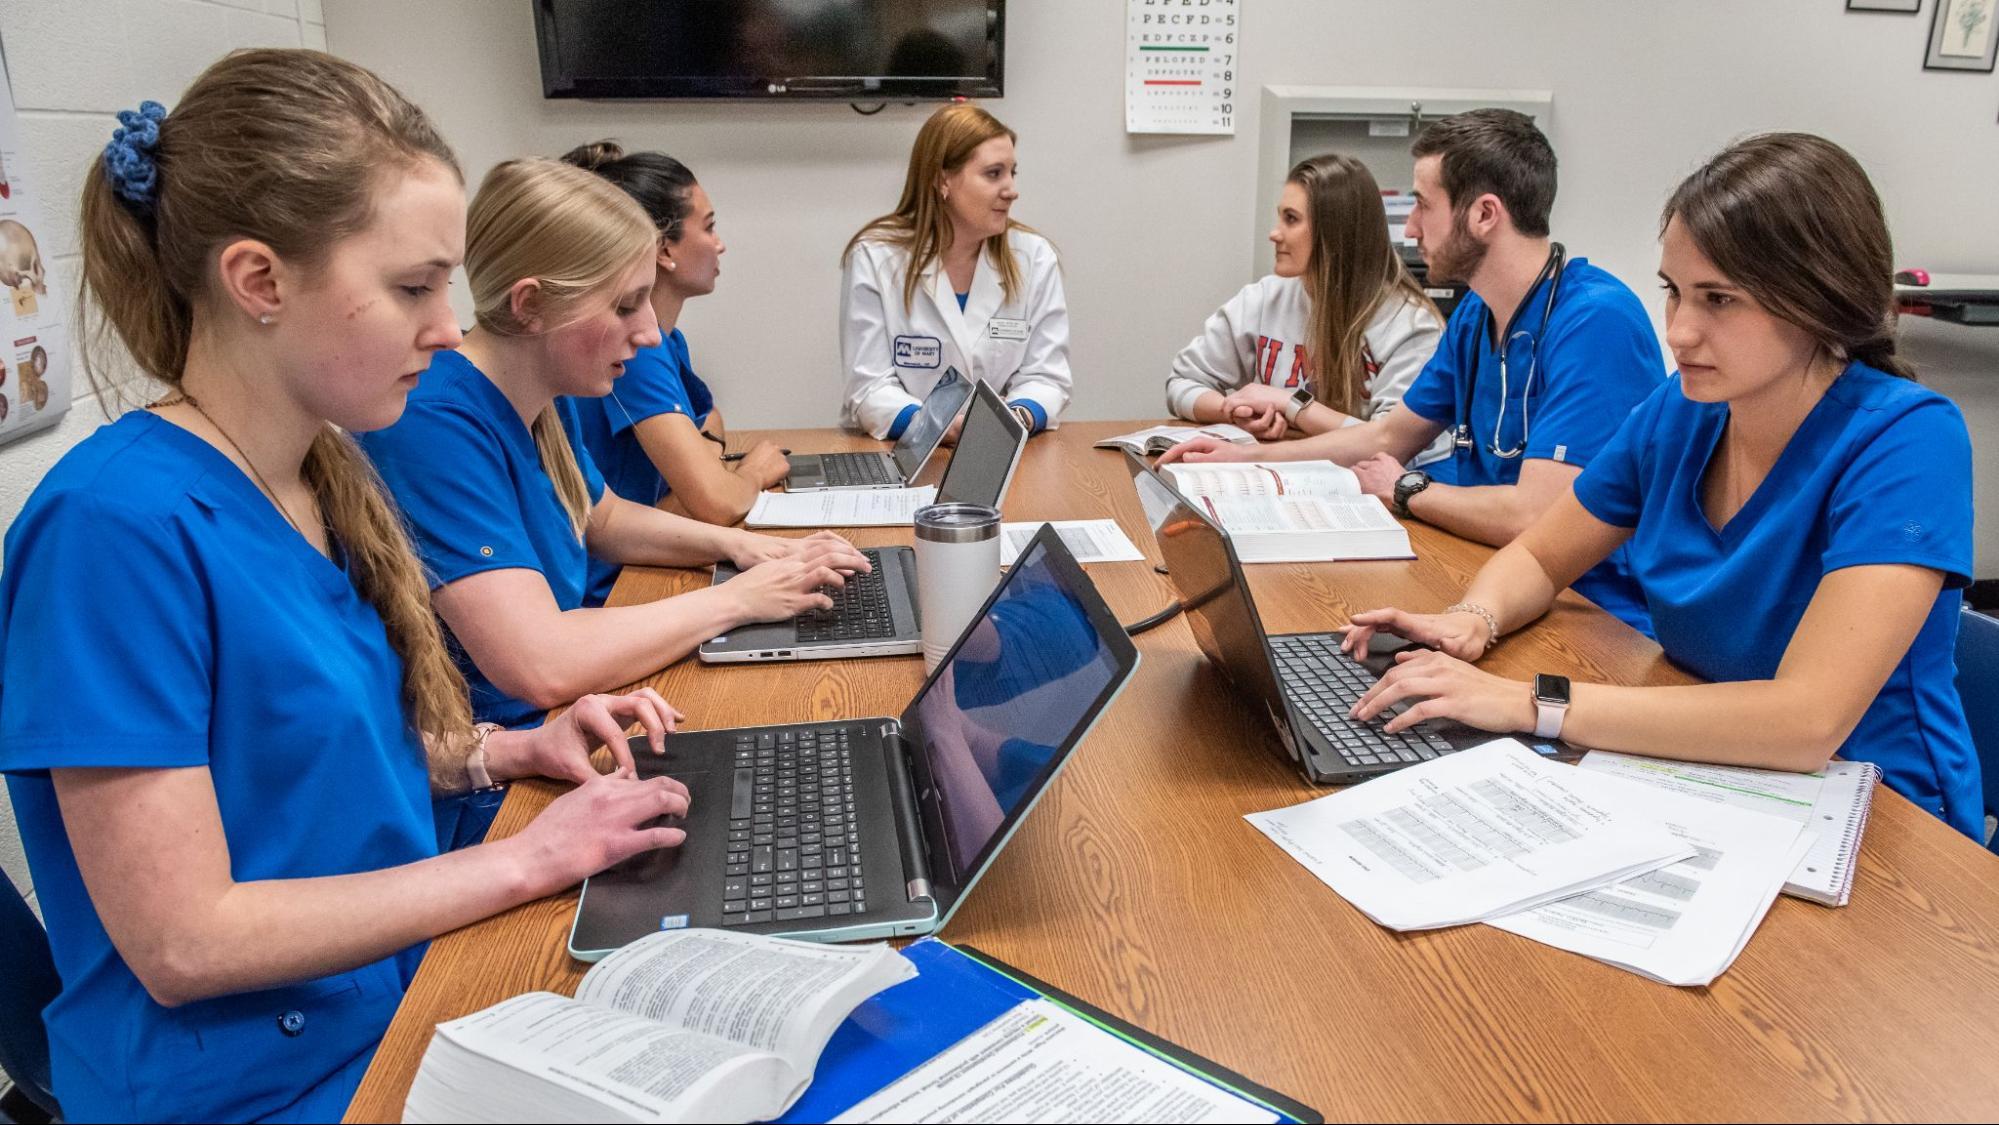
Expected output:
(1302, 681)
(875, 614)
(878, 827)
(818, 472)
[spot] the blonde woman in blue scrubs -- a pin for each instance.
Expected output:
(233, 849)
(1798, 512)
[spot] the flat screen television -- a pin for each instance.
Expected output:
(847, 50)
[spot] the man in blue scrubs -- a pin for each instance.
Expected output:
(1538, 365)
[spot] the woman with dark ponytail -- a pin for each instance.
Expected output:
(1798, 511)
(657, 437)
(233, 842)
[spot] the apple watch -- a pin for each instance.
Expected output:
(1300, 399)
(1551, 705)
(1406, 486)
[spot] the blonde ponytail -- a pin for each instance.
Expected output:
(574, 233)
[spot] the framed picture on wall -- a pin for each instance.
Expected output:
(1964, 35)
(1899, 7)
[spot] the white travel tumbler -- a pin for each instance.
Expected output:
(957, 566)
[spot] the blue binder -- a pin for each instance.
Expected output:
(955, 993)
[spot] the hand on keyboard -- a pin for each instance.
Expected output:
(1463, 635)
(1445, 687)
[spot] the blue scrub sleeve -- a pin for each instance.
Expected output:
(651, 385)
(1609, 487)
(1590, 368)
(1906, 498)
(451, 481)
(103, 599)
(902, 420)
(1434, 392)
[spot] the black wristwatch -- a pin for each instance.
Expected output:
(1407, 485)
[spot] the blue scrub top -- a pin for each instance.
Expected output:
(1878, 473)
(1600, 358)
(658, 380)
(149, 570)
(465, 469)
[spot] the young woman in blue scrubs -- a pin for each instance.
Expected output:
(1798, 511)
(506, 504)
(234, 853)
(657, 437)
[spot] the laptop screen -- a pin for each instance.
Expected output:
(1003, 710)
(1202, 567)
(925, 430)
(988, 448)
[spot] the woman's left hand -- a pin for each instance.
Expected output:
(1448, 688)
(561, 747)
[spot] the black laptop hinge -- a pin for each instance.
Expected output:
(908, 814)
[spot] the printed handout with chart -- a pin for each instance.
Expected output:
(1683, 924)
(1479, 834)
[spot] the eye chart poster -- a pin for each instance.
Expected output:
(1180, 66)
(34, 356)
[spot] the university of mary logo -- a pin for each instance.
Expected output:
(919, 351)
(1270, 350)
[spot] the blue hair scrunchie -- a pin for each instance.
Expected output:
(128, 159)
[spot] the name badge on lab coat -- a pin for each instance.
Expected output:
(998, 329)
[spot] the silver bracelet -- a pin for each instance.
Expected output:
(1491, 623)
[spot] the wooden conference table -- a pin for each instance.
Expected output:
(1137, 885)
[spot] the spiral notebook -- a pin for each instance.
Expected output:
(1832, 803)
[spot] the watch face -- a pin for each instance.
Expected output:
(1552, 689)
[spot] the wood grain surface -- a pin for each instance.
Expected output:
(1137, 885)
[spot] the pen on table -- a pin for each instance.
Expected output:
(740, 456)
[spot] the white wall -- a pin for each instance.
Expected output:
(1155, 231)
(73, 65)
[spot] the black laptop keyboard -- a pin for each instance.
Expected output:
(794, 851)
(1324, 683)
(860, 609)
(852, 469)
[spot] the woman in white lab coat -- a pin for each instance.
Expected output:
(949, 280)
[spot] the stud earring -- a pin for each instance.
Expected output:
(264, 319)
(672, 265)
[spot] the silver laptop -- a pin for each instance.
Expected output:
(875, 614)
(878, 827)
(819, 472)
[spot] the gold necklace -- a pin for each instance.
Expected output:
(179, 397)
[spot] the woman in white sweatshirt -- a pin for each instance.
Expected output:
(1334, 336)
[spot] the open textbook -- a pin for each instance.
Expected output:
(1832, 805)
(1159, 439)
(682, 1025)
(1475, 835)
(1293, 511)
(861, 507)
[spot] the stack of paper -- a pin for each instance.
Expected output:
(1480, 834)
(1685, 923)
(1830, 805)
(868, 507)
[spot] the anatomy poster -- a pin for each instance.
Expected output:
(34, 348)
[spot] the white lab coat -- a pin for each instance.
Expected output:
(893, 356)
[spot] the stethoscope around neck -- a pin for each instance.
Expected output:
(1551, 272)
